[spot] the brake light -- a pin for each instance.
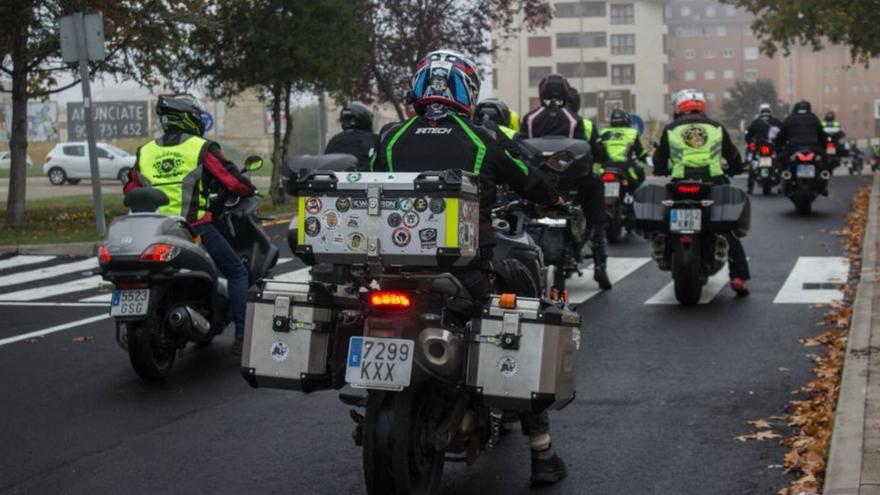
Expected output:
(609, 177)
(687, 189)
(765, 150)
(805, 157)
(751, 146)
(830, 145)
(103, 255)
(160, 253)
(390, 300)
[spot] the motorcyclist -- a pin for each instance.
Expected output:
(498, 112)
(692, 147)
(357, 137)
(623, 146)
(442, 135)
(763, 129)
(187, 167)
(832, 128)
(801, 129)
(557, 116)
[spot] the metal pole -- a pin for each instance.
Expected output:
(322, 122)
(90, 125)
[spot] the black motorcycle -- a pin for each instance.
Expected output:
(804, 179)
(761, 167)
(167, 290)
(618, 201)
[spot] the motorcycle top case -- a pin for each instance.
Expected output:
(731, 210)
(391, 219)
(523, 359)
(294, 337)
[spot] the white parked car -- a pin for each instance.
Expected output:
(69, 162)
(6, 159)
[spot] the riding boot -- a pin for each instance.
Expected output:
(600, 262)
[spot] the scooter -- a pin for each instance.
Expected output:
(167, 290)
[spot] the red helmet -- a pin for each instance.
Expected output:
(689, 101)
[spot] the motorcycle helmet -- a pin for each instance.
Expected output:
(574, 100)
(689, 101)
(446, 77)
(830, 116)
(554, 91)
(181, 113)
(764, 110)
(494, 110)
(802, 106)
(619, 118)
(356, 115)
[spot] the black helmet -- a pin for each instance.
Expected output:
(574, 100)
(554, 90)
(494, 110)
(620, 118)
(356, 115)
(181, 113)
(830, 115)
(802, 106)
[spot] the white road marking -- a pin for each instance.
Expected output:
(814, 271)
(49, 272)
(46, 291)
(710, 290)
(56, 328)
(281, 261)
(582, 289)
(100, 298)
(50, 304)
(301, 275)
(22, 260)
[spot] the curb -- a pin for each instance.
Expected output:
(843, 475)
(65, 249)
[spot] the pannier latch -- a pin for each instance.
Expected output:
(510, 333)
(374, 194)
(281, 317)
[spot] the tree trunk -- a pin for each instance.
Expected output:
(288, 132)
(276, 192)
(18, 146)
(388, 91)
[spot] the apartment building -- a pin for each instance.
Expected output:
(612, 52)
(711, 46)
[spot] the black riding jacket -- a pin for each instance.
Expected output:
(357, 142)
(759, 129)
(453, 142)
(801, 130)
(556, 121)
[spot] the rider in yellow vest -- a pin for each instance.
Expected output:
(694, 146)
(497, 111)
(186, 167)
(623, 147)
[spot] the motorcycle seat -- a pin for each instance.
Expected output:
(145, 200)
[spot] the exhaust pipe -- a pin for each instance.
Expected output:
(825, 175)
(721, 249)
(786, 174)
(184, 318)
(442, 351)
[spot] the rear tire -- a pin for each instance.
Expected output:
(57, 176)
(150, 356)
(398, 460)
(686, 274)
(767, 188)
(804, 206)
(614, 229)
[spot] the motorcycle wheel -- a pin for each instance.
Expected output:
(767, 188)
(686, 274)
(614, 229)
(803, 205)
(398, 459)
(150, 357)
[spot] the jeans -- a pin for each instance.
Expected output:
(233, 269)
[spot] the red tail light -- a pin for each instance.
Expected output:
(805, 157)
(103, 255)
(751, 146)
(830, 145)
(160, 253)
(384, 299)
(609, 177)
(765, 150)
(688, 189)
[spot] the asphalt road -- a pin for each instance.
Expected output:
(662, 391)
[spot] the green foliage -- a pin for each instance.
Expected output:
(745, 100)
(813, 22)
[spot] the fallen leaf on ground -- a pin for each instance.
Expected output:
(80, 339)
(760, 423)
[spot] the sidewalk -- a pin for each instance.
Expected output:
(854, 458)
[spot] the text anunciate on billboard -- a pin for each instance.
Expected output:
(113, 119)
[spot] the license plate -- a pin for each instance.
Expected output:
(690, 220)
(766, 161)
(612, 189)
(806, 171)
(130, 302)
(831, 151)
(376, 363)
(765, 172)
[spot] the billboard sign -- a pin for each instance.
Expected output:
(113, 120)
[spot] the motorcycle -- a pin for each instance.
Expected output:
(618, 201)
(855, 162)
(804, 179)
(167, 290)
(761, 167)
(686, 222)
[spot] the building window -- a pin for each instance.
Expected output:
(622, 13)
(709, 53)
(581, 40)
(589, 100)
(540, 46)
(709, 75)
(729, 74)
(730, 10)
(538, 73)
(750, 75)
(727, 53)
(623, 74)
(690, 75)
(711, 11)
(685, 11)
(750, 53)
(580, 9)
(583, 69)
(623, 44)
(728, 95)
(690, 54)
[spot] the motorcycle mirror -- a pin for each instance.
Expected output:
(252, 163)
(560, 161)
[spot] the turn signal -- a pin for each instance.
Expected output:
(390, 300)
(103, 255)
(507, 301)
(160, 253)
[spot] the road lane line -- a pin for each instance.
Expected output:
(49, 272)
(51, 304)
(23, 260)
(100, 298)
(814, 280)
(710, 290)
(282, 261)
(47, 291)
(50, 330)
(582, 289)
